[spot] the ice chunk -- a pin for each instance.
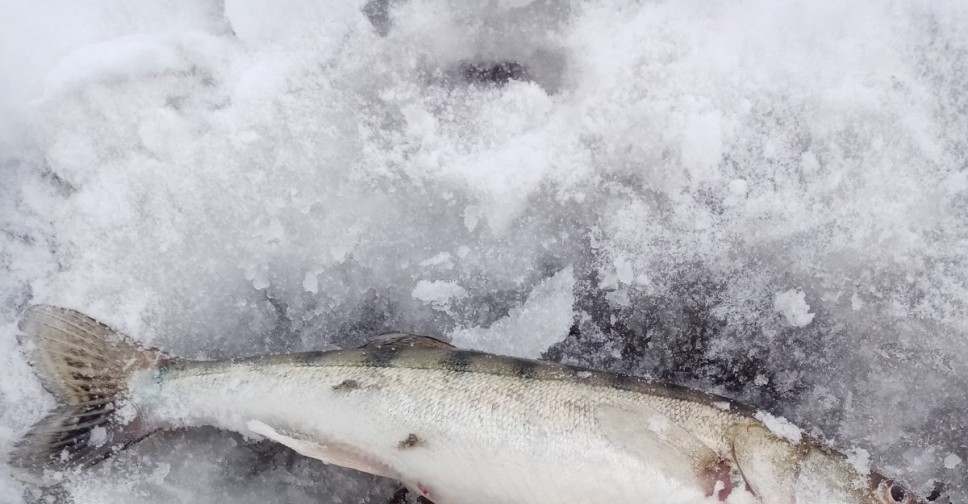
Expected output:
(780, 426)
(952, 461)
(441, 259)
(860, 459)
(126, 56)
(310, 282)
(530, 329)
(438, 292)
(702, 146)
(793, 306)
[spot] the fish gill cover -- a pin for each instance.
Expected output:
(765, 200)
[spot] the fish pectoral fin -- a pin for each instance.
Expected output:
(658, 441)
(401, 339)
(768, 463)
(335, 453)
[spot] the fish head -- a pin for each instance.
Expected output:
(824, 475)
(804, 471)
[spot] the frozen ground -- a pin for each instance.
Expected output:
(764, 199)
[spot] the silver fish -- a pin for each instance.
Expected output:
(456, 426)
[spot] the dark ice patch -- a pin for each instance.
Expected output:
(496, 73)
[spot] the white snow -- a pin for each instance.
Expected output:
(780, 426)
(689, 184)
(99, 435)
(860, 459)
(438, 292)
(793, 306)
(528, 330)
(952, 461)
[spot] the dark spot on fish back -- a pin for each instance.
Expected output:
(622, 382)
(526, 369)
(307, 358)
(347, 385)
(459, 361)
(410, 441)
(381, 356)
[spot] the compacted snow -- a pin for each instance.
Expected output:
(767, 200)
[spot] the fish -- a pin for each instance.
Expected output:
(454, 426)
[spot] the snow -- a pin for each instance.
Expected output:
(764, 200)
(528, 330)
(793, 306)
(952, 461)
(780, 426)
(860, 459)
(437, 292)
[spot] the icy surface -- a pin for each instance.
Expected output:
(627, 185)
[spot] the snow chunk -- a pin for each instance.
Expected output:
(542, 321)
(739, 187)
(123, 56)
(623, 270)
(310, 283)
(780, 426)
(441, 259)
(952, 461)
(438, 293)
(860, 459)
(702, 146)
(793, 306)
(99, 436)
(262, 23)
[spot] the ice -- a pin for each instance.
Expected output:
(764, 200)
(527, 331)
(952, 461)
(780, 426)
(793, 306)
(438, 293)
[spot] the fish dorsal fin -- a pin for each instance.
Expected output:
(402, 339)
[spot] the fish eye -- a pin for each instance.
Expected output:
(892, 492)
(897, 493)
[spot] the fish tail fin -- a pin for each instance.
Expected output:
(85, 365)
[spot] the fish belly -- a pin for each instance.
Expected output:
(456, 438)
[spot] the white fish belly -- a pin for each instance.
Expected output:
(457, 438)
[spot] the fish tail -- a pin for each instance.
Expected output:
(85, 365)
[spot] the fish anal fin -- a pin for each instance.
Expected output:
(402, 339)
(335, 453)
